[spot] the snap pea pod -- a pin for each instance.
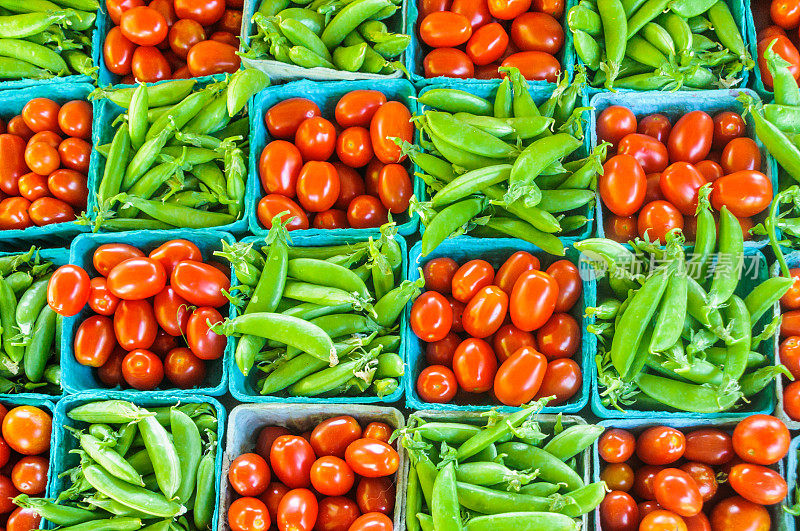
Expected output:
(669, 323)
(453, 433)
(660, 38)
(177, 215)
(205, 491)
(490, 501)
(118, 523)
(522, 521)
(490, 473)
(573, 440)
(327, 274)
(731, 253)
(726, 29)
(492, 434)
(413, 499)
(182, 112)
(35, 54)
(765, 295)
(615, 33)
(686, 396)
(349, 18)
(471, 182)
(445, 504)
(718, 355)
(466, 137)
(690, 8)
(540, 488)
(643, 52)
(189, 448)
(448, 221)
(164, 455)
(108, 412)
(454, 101)
(524, 456)
(31, 302)
(62, 515)
(425, 522)
(587, 49)
(519, 229)
(137, 498)
(8, 306)
(503, 100)
(158, 94)
(647, 12)
(109, 459)
(331, 378)
(23, 25)
(739, 344)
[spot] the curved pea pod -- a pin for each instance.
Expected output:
(31, 303)
(471, 182)
(439, 168)
(350, 58)
(24, 25)
(686, 396)
(212, 117)
(660, 38)
(311, 19)
(302, 56)
(784, 84)
(584, 500)
(448, 221)
(413, 500)
(488, 473)
(765, 295)
(349, 18)
(540, 488)
(739, 344)
(647, 12)
(522, 521)
(444, 504)
(144, 157)
(163, 454)
(137, 498)
(159, 95)
(532, 161)
(706, 237)
(555, 201)
(489, 501)
(243, 85)
(730, 260)
(300, 35)
(756, 381)
(393, 45)
(587, 49)
(615, 33)
(36, 54)
(332, 377)
(189, 448)
(503, 100)
(205, 493)
(272, 7)
(779, 146)
(643, 52)
(690, 8)
(59, 514)
(525, 231)
(671, 314)
(458, 156)
(341, 325)
(117, 523)
(108, 412)
(109, 459)
(580, 18)
(494, 126)
(278, 327)
(177, 215)
(524, 456)
(530, 127)
(389, 307)
(453, 433)
(726, 29)
(573, 440)
(468, 138)
(390, 365)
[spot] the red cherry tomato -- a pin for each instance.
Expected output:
(510, 271)
(623, 185)
(445, 29)
(485, 312)
(431, 316)
(508, 9)
(470, 278)
(448, 62)
(199, 283)
(761, 439)
(439, 274)
(657, 218)
(437, 384)
(391, 120)
(680, 184)
(135, 324)
(143, 26)
(212, 57)
(142, 369)
(317, 186)
(676, 491)
(650, 153)
(206, 12)
(316, 139)
(357, 107)
(204, 343)
(657, 126)
(540, 32)
(137, 278)
(745, 193)
(284, 118)
(476, 11)
(474, 365)
(569, 283)
(690, 138)
(533, 300)
(183, 368)
(68, 290)
(535, 66)
(509, 339)
(275, 204)
(614, 123)
(394, 188)
(94, 341)
(709, 446)
(291, 458)
(559, 337)
(366, 211)
(487, 44)
(520, 377)
(660, 445)
(728, 125)
(371, 458)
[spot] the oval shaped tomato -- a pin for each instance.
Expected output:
(476, 11)
(533, 31)
(761, 439)
(149, 65)
(376, 495)
(660, 519)
(533, 300)
(709, 446)
(785, 13)
(676, 491)
(757, 483)
(316, 139)
(431, 316)
(709, 169)
(353, 147)
(644, 482)
(29, 475)
(199, 283)
(366, 211)
(680, 184)
(183, 35)
(485, 312)
(143, 26)
(137, 278)
(109, 255)
(474, 365)
(745, 193)
(27, 429)
(211, 57)
(183, 369)
(357, 107)
(618, 512)
(740, 154)
(41, 114)
(620, 229)
(94, 341)
(75, 119)
(618, 476)
(117, 7)
(249, 474)
(534, 66)
(42, 158)
(273, 205)
(660, 445)
(203, 342)
(782, 46)
(509, 339)
(391, 120)
(569, 283)
(508, 9)
(135, 324)
(298, 510)
(351, 185)
(68, 290)
(705, 478)
(615, 123)
(317, 186)
(332, 436)
(623, 185)
(445, 29)
(371, 458)
(559, 337)
(331, 219)
(372, 522)
(248, 514)
(441, 352)
(512, 268)
(650, 153)
(291, 458)
(283, 119)
(32, 186)
(741, 515)
(47, 210)
(206, 12)
(690, 138)
(69, 186)
(394, 188)
(279, 167)
(448, 62)
(520, 377)
(470, 278)
(331, 476)
(336, 513)
(616, 445)
(657, 126)
(487, 44)
(439, 273)
(170, 253)
(101, 300)
(14, 213)
(658, 218)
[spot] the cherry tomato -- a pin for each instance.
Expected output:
(620, 229)
(371, 458)
(117, 7)
(12, 149)
(206, 12)
(487, 44)
(317, 186)
(485, 312)
(660, 445)
(291, 458)
(650, 153)
(508, 9)
(378, 430)
(785, 13)
(23, 520)
(143, 26)
(441, 352)
(657, 219)
(353, 147)
(29, 475)
(75, 119)
(510, 271)
(17, 127)
(275, 204)
(427, 7)
(331, 219)
(761, 439)
(212, 57)
(533, 300)
(790, 323)
(204, 343)
(476, 11)
(728, 125)
(272, 498)
(69, 186)
(470, 278)
(537, 32)
(249, 475)
(445, 29)
(199, 283)
(439, 274)
(41, 114)
(554, 8)
(790, 353)
(757, 483)
(109, 255)
(336, 513)
(535, 66)
(705, 478)
(458, 313)
(372, 522)
(623, 185)
(520, 377)
(709, 169)
(32, 186)
(137, 278)
(316, 139)
(14, 213)
(376, 495)
(183, 369)
(26, 429)
(618, 476)
(42, 158)
(284, 118)
(690, 138)
(508, 339)
(135, 324)
(394, 188)
(331, 476)
(660, 520)
(266, 437)
(332, 436)
(248, 514)
(616, 445)
(559, 337)
(391, 120)
(569, 283)
(357, 107)
(745, 193)
(740, 154)
(183, 35)
(676, 491)
(618, 512)
(785, 49)
(709, 446)
(94, 341)
(170, 253)
(437, 384)
(431, 316)
(615, 123)
(738, 514)
(68, 290)
(110, 373)
(474, 365)
(448, 62)
(657, 126)
(680, 183)
(47, 210)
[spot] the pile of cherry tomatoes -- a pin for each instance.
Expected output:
(172, 39)
(24, 449)
(360, 186)
(333, 478)
(145, 307)
(789, 350)
(507, 332)
(44, 159)
(703, 479)
(782, 28)
(652, 183)
(473, 38)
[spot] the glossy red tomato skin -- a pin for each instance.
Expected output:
(535, 66)
(569, 282)
(508, 339)
(680, 183)
(144, 26)
(69, 186)
(149, 65)
(508, 9)
(728, 125)
(137, 278)
(279, 167)
(332, 436)
(68, 290)
(371, 458)
(47, 210)
(738, 514)
(618, 476)
(785, 13)
(437, 384)
(14, 213)
(441, 352)
(248, 514)
(445, 29)
(620, 229)
(616, 445)
(439, 274)
(284, 118)
(470, 278)
(298, 510)
(331, 476)
(23, 519)
(291, 458)
(183, 368)
(212, 57)
(657, 126)
(204, 343)
(618, 512)
(94, 341)
(614, 123)
(273, 205)
(206, 12)
(690, 138)
(533, 300)
(366, 211)
(785, 49)
(790, 323)
(676, 491)
(431, 316)
(485, 312)
(520, 377)
(249, 474)
(740, 154)
(110, 373)
(487, 44)
(101, 300)
(353, 147)
(757, 483)
(331, 219)
(745, 193)
(317, 186)
(170, 253)
(142, 369)
(199, 283)
(559, 337)
(709, 446)
(790, 354)
(357, 107)
(650, 153)
(316, 139)
(791, 400)
(476, 11)
(660, 445)
(623, 185)
(118, 52)
(448, 62)
(761, 439)
(395, 188)
(392, 119)
(534, 31)
(135, 324)
(336, 513)
(709, 169)
(109, 255)
(512, 268)
(376, 495)
(12, 148)
(657, 219)
(183, 35)
(474, 365)
(705, 478)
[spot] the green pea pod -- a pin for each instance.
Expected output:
(729, 262)
(453, 433)
(163, 454)
(690, 8)
(660, 38)
(350, 58)
(40, 346)
(145, 157)
(765, 295)
(116, 162)
(739, 344)
(784, 117)
(300, 35)
(177, 215)
(413, 499)
(584, 500)
(205, 498)
(466, 137)
(24, 25)
(11, 68)
(439, 168)
(454, 100)
(529, 127)
(158, 94)
(779, 146)
(726, 29)
(245, 84)
(8, 307)
(471, 182)
(580, 18)
(520, 229)
(332, 377)
(458, 156)
(445, 504)
(573, 440)
(390, 365)
(393, 45)
(212, 117)
(119, 523)
(615, 33)
(306, 58)
(489, 501)
(108, 412)
(36, 54)
(389, 307)
(630, 6)
(488, 473)
(532, 161)
(492, 434)
(588, 49)
(449, 220)
(523, 456)
(755, 382)
(669, 323)
(493, 126)
(521, 521)
(273, 7)
(783, 83)
(182, 112)
(189, 448)
(503, 100)
(425, 522)
(109, 459)
(555, 201)
(341, 325)
(31, 303)
(137, 498)
(686, 396)
(137, 116)
(349, 18)
(59, 514)
(706, 238)
(643, 52)
(647, 12)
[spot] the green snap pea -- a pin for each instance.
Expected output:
(643, 52)
(350, 58)
(490, 473)
(522, 521)
(739, 344)
(390, 365)
(107, 412)
(784, 117)
(40, 345)
(726, 29)
(116, 162)
(8, 307)
(11, 68)
(584, 499)
(669, 323)
(731, 249)
(765, 295)
(467, 137)
(783, 83)
(182, 112)
(615, 34)
(177, 215)
(706, 239)
(205, 499)
(145, 156)
(540, 488)
(389, 307)
(123, 523)
(23, 25)
(454, 100)
(490, 501)
(158, 94)
(457, 156)
(471, 182)
(326, 273)
(580, 18)
(109, 459)
(137, 498)
(503, 100)
(448, 221)
(59, 514)
(562, 200)
(686, 396)
(533, 160)
(331, 378)
(690, 8)
(299, 34)
(551, 469)
(349, 18)
(492, 434)
(445, 503)
(520, 229)
(425, 522)
(573, 441)
(660, 38)
(137, 116)
(647, 12)
(163, 454)
(413, 499)
(493, 126)
(453, 433)
(587, 48)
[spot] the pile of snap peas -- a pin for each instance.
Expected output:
(336, 34)
(139, 468)
(659, 44)
(514, 471)
(319, 321)
(498, 169)
(29, 361)
(45, 38)
(677, 329)
(177, 158)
